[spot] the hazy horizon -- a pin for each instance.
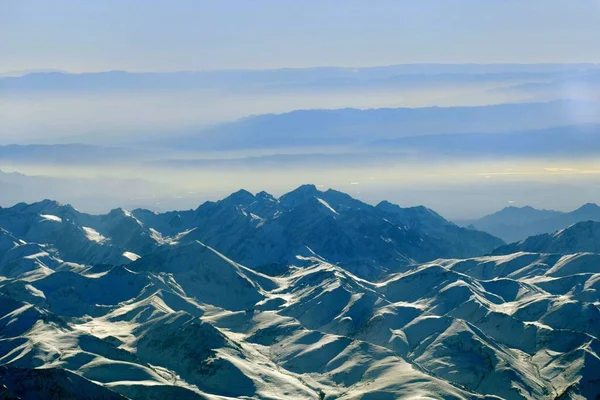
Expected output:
(48, 69)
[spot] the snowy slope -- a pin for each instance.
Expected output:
(188, 320)
(113, 238)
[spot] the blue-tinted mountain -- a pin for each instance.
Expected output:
(260, 230)
(397, 128)
(517, 223)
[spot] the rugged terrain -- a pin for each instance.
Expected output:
(313, 295)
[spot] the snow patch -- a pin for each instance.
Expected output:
(93, 235)
(327, 205)
(131, 256)
(53, 218)
(539, 325)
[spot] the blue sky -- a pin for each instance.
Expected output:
(159, 35)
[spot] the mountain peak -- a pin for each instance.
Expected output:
(45, 205)
(588, 207)
(388, 206)
(48, 202)
(581, 226)
(241, 197)
(299, 195)
(118, 212)
(306, 188)
(515, 208)
(265, 196)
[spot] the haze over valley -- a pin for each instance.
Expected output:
(375, 151)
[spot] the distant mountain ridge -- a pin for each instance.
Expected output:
(346, 142)
(318, 76)
(513, 224)
(395, 127)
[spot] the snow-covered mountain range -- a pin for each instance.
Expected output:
(313, 295)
